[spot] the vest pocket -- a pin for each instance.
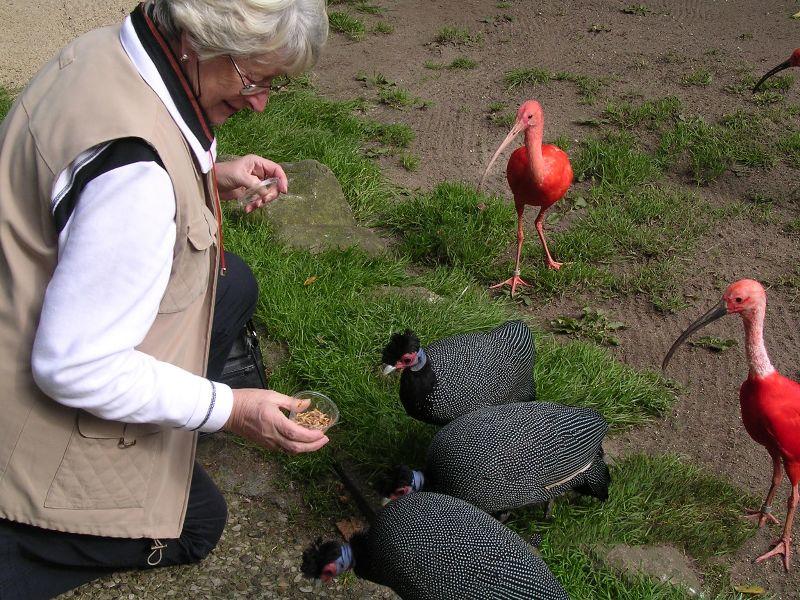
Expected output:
(107, 465)
(192, 263)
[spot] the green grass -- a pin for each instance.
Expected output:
(5, 102)
(698, 77)
(462, 62)
(446, 227)
(790, 146)
(383, 27)
(346, 25)
(651, 501)
(651, 114)
(588, 87)
(712, 149)
(459, 36)
(410, 162)
(397, 98)
(636, 9)
(520, 77)
(367, 8)
(398, 135)
(592, 324)
(616, 162)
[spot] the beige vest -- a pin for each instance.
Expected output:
(61, 468)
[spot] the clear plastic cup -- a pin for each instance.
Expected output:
(316, 401)
(262, 187)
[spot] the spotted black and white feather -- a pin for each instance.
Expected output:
(430, 546)
(504, 457)
(464, 372)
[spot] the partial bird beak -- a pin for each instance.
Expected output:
(720, 310)
(515, 131)
(388, 369)
(784, 65)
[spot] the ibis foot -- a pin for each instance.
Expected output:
(760, 517)
(514, 281)
(782, 547)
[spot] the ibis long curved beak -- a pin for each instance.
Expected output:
(388, 369)
(515, 131)
(784, 65)
(720, 310)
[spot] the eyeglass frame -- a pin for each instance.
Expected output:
(248, 89)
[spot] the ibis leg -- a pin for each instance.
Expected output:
(551, 264)
(764, 514)
(783, 546)
(515, 279)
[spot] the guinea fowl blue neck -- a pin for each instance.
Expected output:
(422, 360)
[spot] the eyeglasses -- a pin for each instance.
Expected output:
(248, 89)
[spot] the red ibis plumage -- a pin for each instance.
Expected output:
(538, 174)
(770, 403)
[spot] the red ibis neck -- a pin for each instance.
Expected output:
(757, 358)
(533, 142)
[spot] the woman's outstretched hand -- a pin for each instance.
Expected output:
(234, 177)
(256, 415)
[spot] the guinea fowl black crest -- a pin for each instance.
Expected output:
(399, 344)
(399, 476)
(317, 555)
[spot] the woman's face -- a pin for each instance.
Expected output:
(220, 84)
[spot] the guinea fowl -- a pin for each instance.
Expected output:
(434, 547)
(504, 457)
(458, 374)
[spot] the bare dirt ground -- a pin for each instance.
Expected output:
(642, 56)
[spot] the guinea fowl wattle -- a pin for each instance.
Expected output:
(461, 373)
(504, 457)
(434, 547)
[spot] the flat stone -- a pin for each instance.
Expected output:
(662, 563)
(315, 215)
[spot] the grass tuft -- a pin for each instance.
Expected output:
(698, 77)
(616, 162)
(519, 77)
(462, 62)
(346, 25)
(383, 27)
(459, 36)
(652, 114)
(397, 98)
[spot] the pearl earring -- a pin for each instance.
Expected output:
(184, 57)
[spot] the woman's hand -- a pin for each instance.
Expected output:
(256, 415)
(235, 176)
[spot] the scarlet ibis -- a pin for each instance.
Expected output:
(769, 401)
(793, 61)
(539, 175)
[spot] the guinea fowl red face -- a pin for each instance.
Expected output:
(409, 359)
(329, 571)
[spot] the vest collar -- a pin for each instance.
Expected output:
(160, 71)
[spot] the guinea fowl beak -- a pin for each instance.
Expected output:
(784, 65)
(388, 369)
(515, 131)
(720, 310)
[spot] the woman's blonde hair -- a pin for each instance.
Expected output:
(288, 34)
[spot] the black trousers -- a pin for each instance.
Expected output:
(38, 563)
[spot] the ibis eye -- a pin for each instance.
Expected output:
(738, 299)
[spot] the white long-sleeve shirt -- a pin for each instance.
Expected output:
(114, 262)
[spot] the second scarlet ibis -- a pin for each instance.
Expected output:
(538, 174)
(769, 401)
(793, 61)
